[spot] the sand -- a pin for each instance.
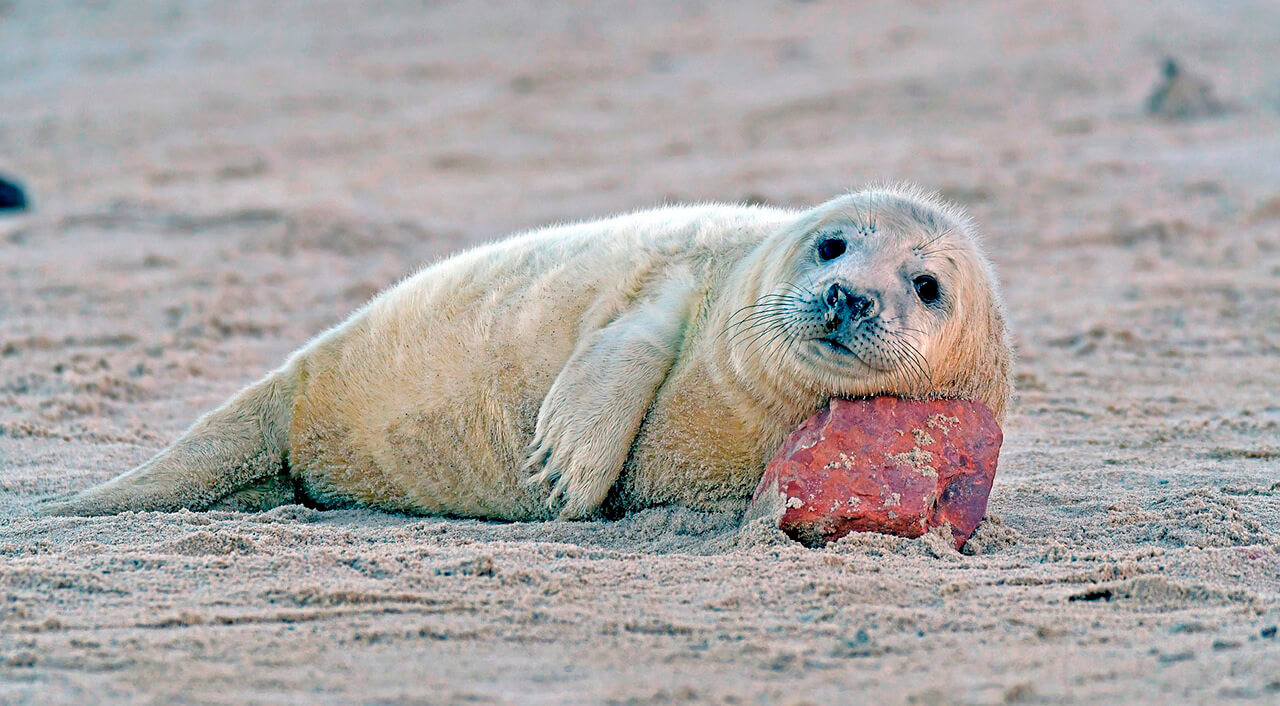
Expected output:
(213, 183)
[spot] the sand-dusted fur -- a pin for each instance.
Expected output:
(650, 358)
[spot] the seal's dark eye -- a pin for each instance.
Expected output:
(831, 248)
(926, 288)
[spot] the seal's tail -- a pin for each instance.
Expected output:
(235, 445)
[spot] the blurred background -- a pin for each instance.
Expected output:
(486, 116)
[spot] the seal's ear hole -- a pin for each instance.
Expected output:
(831, 248)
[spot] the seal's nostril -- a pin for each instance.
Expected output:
(834, 295)
(860, 307)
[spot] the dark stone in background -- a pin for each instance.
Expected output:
(11, 196)
(1181, 95)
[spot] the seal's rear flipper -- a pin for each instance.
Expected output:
(272, 491)
(238, 444)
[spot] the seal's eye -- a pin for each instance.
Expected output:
(926, 288)
(831, 248)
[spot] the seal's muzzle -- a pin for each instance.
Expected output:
(843, 305)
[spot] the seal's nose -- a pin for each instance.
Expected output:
(844, 305)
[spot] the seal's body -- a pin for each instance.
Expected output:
(429, 399)
(658, 357)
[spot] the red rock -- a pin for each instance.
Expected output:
(883, 464)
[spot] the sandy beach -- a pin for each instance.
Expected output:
(212, 184)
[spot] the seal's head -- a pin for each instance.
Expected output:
(883, 291)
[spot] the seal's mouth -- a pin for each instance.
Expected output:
(834, 345)
(833, 352)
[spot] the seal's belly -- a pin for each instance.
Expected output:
(429, 463)
(388, 418)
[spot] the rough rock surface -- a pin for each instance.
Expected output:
(883, 464)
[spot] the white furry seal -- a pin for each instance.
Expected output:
(657, 357)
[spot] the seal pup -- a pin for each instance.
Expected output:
(651, 358)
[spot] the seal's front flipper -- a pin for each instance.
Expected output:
(591, 414)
